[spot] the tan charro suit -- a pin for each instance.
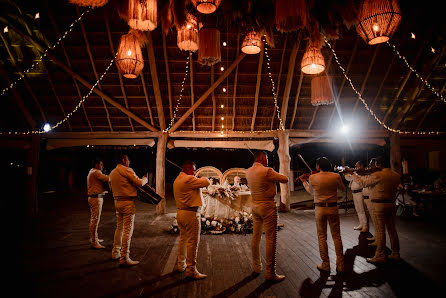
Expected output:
(357, 194)
(95, 186)
(186, 190)
(262, 183)
(324, 186)
(383, 187)
(124, 181)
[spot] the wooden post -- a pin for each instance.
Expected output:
(284, 159)
(32, 162)
(395, 153)
(160, 171)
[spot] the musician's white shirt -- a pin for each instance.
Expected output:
(124, 181)
(354, 185)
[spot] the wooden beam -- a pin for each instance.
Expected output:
(56, 29)
(234, 92)
(284, 169)
(18, 100)
(86, 84)
(326, 73)
(214, 103)
(289, 80)
(429, 109)
(296, 100)
(399, 117)
(90, 56)
(146, 95)
(53, 88)
(112, 50)
(400, 89)
(25, 80)
(208, 92)
(155, 82)
(166, 63)
(364, 82)
(279, 77)
(259, 78)
(191, 63)
(336, 104)
(160, 171)
(101, 135)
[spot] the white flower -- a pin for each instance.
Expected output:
(232, 228)
(175, 223)
(237, 219)
(245, 218)
(208, 223)
(239, 227)
(219, 225)
(214, 223)
(203, 219)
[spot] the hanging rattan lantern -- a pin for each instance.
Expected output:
(378, 20)
(206, 6)
(291, 15)
(92, 3)
(129, 59)
(312, 61)
(187, 36)
(209, 50)
(321, 91)
(142, 15)
(252, 43)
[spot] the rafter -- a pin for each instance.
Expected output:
(256, 97)
(84, 82)
(56, 95)
(208, 92)
(112, 50)
(146, 95)
(289, 80)
(347, 70)
(155, 82)
(67, 59)
(326, 73)
(25, 80)
(279, 77)
(296, 101)
(90, 56)
(214, 103)
(429, 109)
(234, 92)
(166, 62)
(191, 63)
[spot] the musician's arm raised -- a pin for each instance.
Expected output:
(273, 176)
(135, 180)
(366, 181)
(100, 176)
(308, 187)
(199, 182)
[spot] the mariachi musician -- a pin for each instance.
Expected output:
(324, 186)
(358, 201)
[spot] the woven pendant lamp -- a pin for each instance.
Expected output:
(187, 36)
(206, 6)
(209, 50)
(321, 92)
(378, 20)
(291, 15)
(92, 3)
(142, 15)
(312, 61)
(129, 60)
(252, 43)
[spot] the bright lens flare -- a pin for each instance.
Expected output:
(47, 127)
(375, 27)
(345, 129)
(129, 53)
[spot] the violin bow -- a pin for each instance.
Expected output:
(305, 163)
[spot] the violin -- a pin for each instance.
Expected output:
(306, 176)
(360, 172)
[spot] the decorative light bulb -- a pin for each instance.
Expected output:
(375, 27)
(313, 65)
(412, 35)
(189, 26)
(224, 43)
(5, 30)
(129, 53)
(224, 89)
(222, 106)
(222, 118)
(37, 16)
(47, 127)
(222, 126)
(222, 68)
(433, 50)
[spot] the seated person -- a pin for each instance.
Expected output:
(236, 181)
(405, 198)
(440, 183)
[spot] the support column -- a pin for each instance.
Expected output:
(284, 159)
(160, 171)
(32, 163)
(395, 153)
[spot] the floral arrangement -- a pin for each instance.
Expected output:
(241, 224)
(226, 191)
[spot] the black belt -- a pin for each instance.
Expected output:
(365, 197)
(356, 190)
(194, 209)
(96, 196)
(382, 201)
(326, 204)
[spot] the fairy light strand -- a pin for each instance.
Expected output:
(273, 87)
(84, 98)
(172, 121)
(368, 108)
(425, 82)
(50, 47)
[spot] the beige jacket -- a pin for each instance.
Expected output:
(123, 181)
(95, 182)
(262, 182)
(324, 186)
(383, 184)
(186, 190)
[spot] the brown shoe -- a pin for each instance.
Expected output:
(128, 263)
(364, 230)
(181, 269)
(394, 256)
(97, 245)
(275, 278)
(323, 268)
(371, 238)
(357, 228)
(376, 260)
(196, 275)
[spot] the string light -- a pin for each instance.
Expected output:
(222, 118)
(224, 43)
(222, 68)
(180, 97)
(433, 50)
(273, 88)
(37, 16)
(224, 89)
(222, 106)
(412, 35)
(40, 59)
(47, 126)
(426, 83)
(367, 107)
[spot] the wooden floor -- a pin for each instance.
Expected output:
(57, 262)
